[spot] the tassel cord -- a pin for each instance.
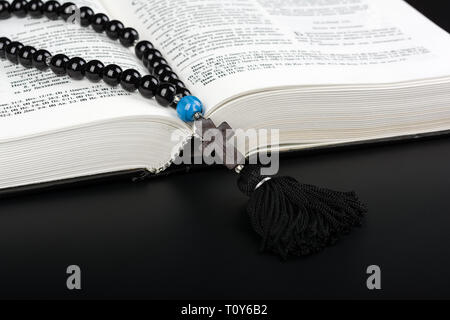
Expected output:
(295, 219)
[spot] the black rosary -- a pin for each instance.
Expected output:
(162, 83)
(291, 218)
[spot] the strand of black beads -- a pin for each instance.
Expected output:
(162, 83)
(77, 68)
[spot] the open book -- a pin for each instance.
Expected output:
(324, 73)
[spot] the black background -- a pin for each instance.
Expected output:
(187, 236)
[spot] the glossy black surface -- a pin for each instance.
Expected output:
(75, 68)
(150, 56)
(148, 86)
(160, 69)
(4, 10)
(99, 22)
(51, 9)
(178, 83)
(156, 63)
(11, 51)
(128, 36)
(168, 76)
(3, 43)
(25, 56)
(112, 74)
(183, 91)
(19, 8)
(181, 87)
(58, 64)
(36, 8)
(165, 93)
(140, 48)
(94, 70)
(130, 80)
(67, 9)
(159, 246)
(113, 29)
(39, 59)
(86, 15)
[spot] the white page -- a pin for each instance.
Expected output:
(222, 49)
(33, 102)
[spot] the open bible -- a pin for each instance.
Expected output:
(324, 73)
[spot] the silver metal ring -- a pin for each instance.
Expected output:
(177, 98)
(48, 60)
(239, 168)
(262, 182)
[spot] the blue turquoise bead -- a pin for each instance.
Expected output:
(188, 106)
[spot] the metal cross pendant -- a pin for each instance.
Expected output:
(218, 142)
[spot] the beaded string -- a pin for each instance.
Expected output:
(162, 82)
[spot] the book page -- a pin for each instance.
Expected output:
(32, 101)
(222, 49)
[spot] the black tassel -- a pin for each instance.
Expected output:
(295, 219)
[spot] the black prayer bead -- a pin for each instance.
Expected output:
(130, 80)
(148, 86)
(178, 83)
(184, 92)
(112, 74)
(168, 76)
(128, 36)
(181, 87)
(156, 63)
(4, 10)
(12, 50)
(165, 94)
(40, 59)
(19, 8)
(141, 47)
(35, 8)
(160, 69)
(149, 56)
(25, 56)
(93, 70)
(113, 29)
(86, 15)
(75, 68)
(58, 64)
(99, 21)
(3, 43)
(51, 9)
(67, 10)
